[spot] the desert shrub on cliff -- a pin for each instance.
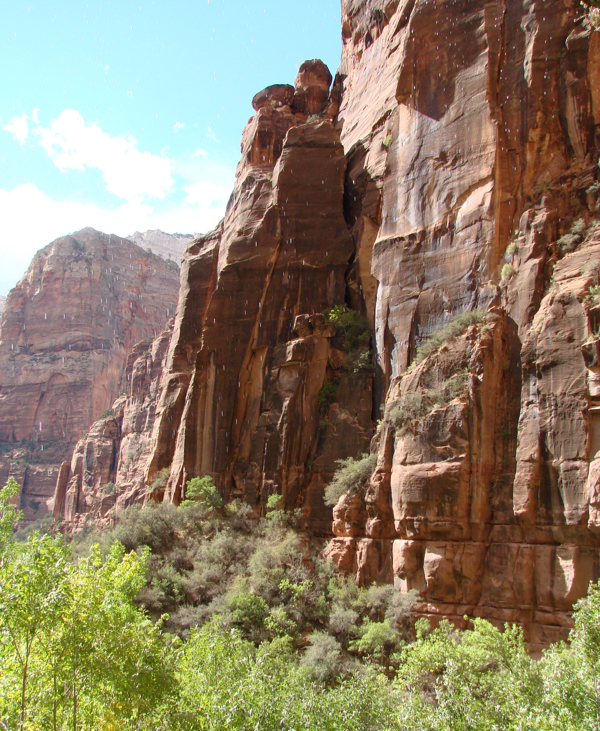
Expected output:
(451, 330)
(570, 241)
(351, 476)
(352, 332)
(415, 405)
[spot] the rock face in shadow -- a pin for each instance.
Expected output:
(107, 470)
(66, 332)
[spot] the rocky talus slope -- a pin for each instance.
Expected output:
(66, 332)
(451, 168)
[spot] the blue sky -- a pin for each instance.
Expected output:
(127, 116)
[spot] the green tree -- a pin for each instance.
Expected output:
(204, 491)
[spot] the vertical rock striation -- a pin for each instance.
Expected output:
(469, 126)
(445, 186)
(251, 349)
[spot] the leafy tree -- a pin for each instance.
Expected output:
(204, 491)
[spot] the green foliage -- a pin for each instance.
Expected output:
(160, 479)
(387, 140)
(350, 477)
(507, 273)
(75, 652)
(106, 413)
(511, 249)
(570, 241)
(351, 327)
(204, 491)
(327, 394)
(592, 295)
(287, 645)
(9, 514)
(415, 405)
(452, 330)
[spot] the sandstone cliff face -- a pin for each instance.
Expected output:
(480, 131)
(168, 246)
(66, 331)
(251, 350)
(107, 470)
(450, 169)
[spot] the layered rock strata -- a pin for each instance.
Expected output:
(107, 470)
(479, 132)
(66, 332)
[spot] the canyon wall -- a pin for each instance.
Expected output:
(66, 332)
(445, 188)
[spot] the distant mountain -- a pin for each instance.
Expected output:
(67, 331)
(169, 246)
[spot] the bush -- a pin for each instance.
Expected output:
(327, 394)
(351, 476)
(452, 330)
(106, 413)
(570, 241)
(352, 328)
(204, 491)
(508, 272)
(323, 658)
(415, 405)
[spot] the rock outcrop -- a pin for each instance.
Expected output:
(168, 246)
(479, 132)
(66, 332)
(107, 470)
(445, 187)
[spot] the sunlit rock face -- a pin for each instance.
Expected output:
(451, 167)
(251, 348)
(66, 332)
(468, 125)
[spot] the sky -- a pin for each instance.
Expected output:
(127, 116)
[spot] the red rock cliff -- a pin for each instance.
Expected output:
(479, 133)
(451, 169)
(67, 329)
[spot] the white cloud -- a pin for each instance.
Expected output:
(19, 127)
(128, 173)
(211, 135)
(199, 152)
(23, 234)
(206, 195)
(178, 125)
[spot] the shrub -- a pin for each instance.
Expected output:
(106, 413)
(570, 241)
(327, 394)
(109, 489)
(204, 491)
(323, 658)
(413, 406)
(351, 476)
(160, 480)
(511, 249)
(387, 140)
(352, 328)
(508, 272)
(452, 330)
